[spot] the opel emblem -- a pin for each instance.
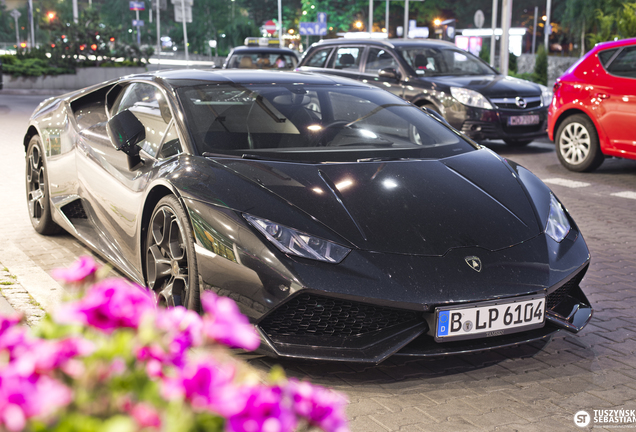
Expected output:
(521, 102)
(474, 263)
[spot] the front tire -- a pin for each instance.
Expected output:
(37, 189)
(577, 144)
(171, 267)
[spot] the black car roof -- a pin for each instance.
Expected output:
(391, 43)
(185, 77)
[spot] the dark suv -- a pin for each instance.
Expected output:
(472, 96)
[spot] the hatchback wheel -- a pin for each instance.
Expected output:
(37, 188)
(171, 268)
(577, 144)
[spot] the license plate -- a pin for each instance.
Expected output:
(489, 318)
(523, 120)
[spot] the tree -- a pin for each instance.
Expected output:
(605, 28)
(626, 21)
(484, 54)
(540, 74)
(6, 24)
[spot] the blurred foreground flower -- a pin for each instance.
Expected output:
(81, 270)
(111, 360)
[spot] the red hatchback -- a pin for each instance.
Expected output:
(593, 112)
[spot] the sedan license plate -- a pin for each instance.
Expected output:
(523, 120)
(489, 319)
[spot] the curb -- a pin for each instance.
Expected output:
(38, 283)
(5, 308)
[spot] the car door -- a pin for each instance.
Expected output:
(615, 92)
(376, 59)
(115, 191)
(343, 60)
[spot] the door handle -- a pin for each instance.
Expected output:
(601, 96)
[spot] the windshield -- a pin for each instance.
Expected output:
(429, 61)
(313, 123)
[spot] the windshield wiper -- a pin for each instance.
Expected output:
(267, 158)
(383, 159)
(225, 155)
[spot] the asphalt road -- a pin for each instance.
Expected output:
(533, 388)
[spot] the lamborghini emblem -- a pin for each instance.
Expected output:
(474, 263)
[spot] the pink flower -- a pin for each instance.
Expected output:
(181, 330)
(16, 340)
(265, 410)
(206, 384)
(44, 356)
(145, 415)
(320, 406)
(82, 269)
(25, 396)
(6, 322)
(109, 305)
(225, 324)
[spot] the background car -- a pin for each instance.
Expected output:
(255, 56)
(347, 224)
(472, 96)
(594, 107)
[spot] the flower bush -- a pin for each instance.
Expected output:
(109, 360)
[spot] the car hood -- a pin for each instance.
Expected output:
(490, 85)
(416, 207)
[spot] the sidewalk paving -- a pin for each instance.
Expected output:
(14, 297)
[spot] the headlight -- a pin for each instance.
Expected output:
(558, 225)
(291, 241)
(546, 95)
(470, 97)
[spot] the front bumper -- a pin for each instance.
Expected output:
(482, 124)
(315, 327)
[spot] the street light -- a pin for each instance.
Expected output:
(358, 25)
(51, 16)
(437, 22)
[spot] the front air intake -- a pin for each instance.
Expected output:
(315, 315)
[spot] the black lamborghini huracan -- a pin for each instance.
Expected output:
(346, 223)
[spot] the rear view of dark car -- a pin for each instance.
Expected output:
(249, 57)
(472, 97)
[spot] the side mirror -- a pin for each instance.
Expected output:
(125, 132)
(389, 73)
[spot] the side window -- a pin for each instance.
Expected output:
(171, 145)
(319, 58)
(606, 56)
(147, 103)
(379, 59)
(348, 58)
(624, 65)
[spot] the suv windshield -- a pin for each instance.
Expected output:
(435, 61)
(312, 123)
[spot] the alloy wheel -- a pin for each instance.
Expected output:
(575, 143)
(167, 258)
(36, 184)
